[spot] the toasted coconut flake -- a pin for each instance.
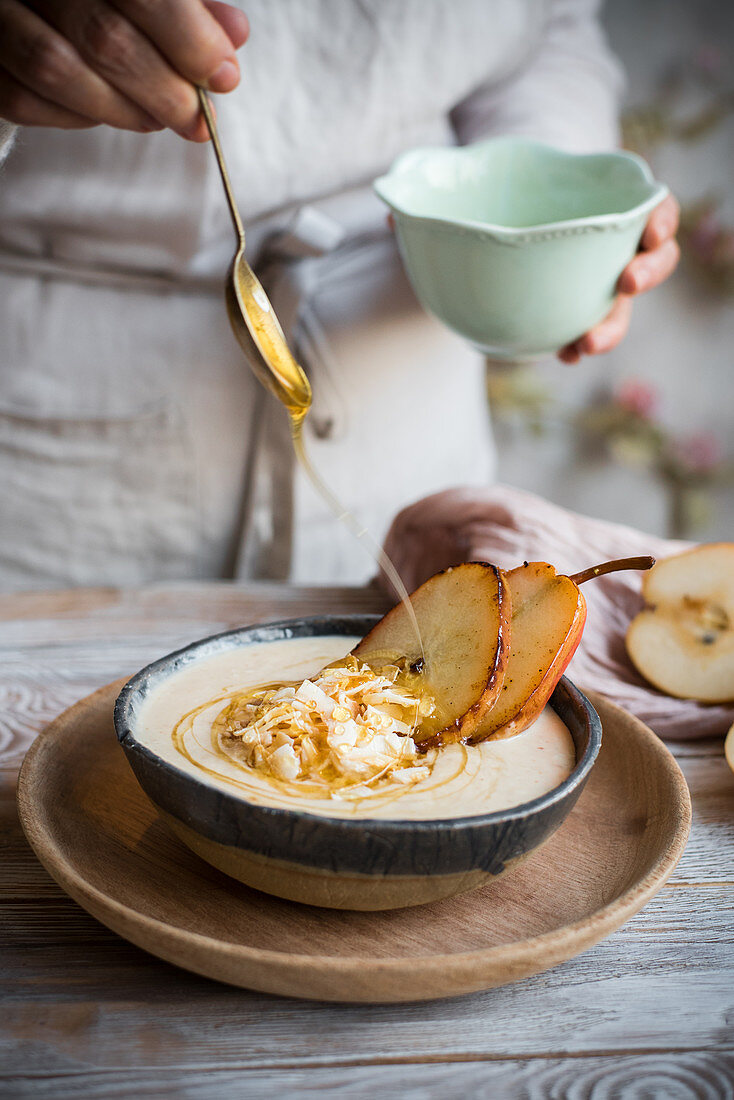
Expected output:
(343, 730)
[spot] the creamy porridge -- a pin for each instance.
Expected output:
(182, 722)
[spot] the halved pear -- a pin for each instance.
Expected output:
(684, 642)
(463, 617)
(548, 617)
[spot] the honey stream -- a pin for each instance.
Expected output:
(287, 381)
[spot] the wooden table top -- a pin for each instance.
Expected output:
(647, 1012)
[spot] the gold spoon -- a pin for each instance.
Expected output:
(251, 315)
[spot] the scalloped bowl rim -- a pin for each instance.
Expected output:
(213, 644)
(400, 167)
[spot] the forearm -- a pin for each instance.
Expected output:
(566, 92)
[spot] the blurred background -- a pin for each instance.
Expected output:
(645, 434)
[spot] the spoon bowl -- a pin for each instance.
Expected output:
(258, 332)
(251, 316)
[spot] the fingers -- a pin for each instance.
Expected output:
(662, 224)
(233, 22)
(656, 261)
(57, 82)
(19, 104)
(188, 36)
(649, 269)
(126, 60)
(659, 252)
(130, 63)
(608, 333)
(604, 336)
(570, 354)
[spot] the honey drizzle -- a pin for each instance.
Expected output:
(350, 521)
(295, 789)
(287, 381)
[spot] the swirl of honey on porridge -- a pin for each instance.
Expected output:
(344, 733)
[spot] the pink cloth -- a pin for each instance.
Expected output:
(507, 526)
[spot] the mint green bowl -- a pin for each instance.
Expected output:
(515, 245)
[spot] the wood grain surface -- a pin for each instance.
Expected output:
(648, 1012)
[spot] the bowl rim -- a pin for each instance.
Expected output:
(283, 629)
(405, 163)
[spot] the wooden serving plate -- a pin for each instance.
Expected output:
(101, 839)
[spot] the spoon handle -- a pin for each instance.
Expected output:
(206, 108)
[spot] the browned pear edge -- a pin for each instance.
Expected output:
(527, 713)
(466, 723)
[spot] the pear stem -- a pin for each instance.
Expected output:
(643, 562)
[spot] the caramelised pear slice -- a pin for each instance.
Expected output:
(549, 612)
(548, 617)
(684, 642)
(463, 617)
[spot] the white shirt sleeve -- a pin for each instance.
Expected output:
(566, 92)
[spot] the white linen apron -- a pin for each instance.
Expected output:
(135, 444)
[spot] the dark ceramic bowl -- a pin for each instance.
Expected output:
(343, 864)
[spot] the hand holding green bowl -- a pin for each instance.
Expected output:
(519, 247)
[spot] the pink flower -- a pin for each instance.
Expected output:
(700, 453)
(637, 397)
